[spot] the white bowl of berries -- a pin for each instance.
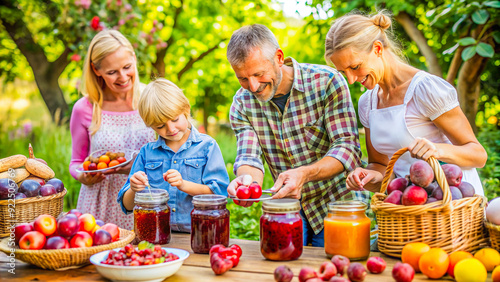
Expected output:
(147, 262)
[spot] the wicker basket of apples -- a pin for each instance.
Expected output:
(435, 209)
(28, 188)
(65, 243)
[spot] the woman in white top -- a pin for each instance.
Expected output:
(404, 106)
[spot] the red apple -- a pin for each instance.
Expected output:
(56, 242)
(32, 240)
(22, 229)
(45, 224)
(341, 263)
(113, 230)
(87, 222)
(243, 192)
(81, 239)
(101, 237)
(68, 225)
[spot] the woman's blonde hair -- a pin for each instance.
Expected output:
(103, 44)
(359, 32)
(162, 101)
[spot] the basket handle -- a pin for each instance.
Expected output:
(438, 173)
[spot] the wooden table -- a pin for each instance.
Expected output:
(252, 266)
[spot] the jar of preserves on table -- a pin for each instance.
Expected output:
(209, 223)
(281, 229)
(347, 230)
(152, 216)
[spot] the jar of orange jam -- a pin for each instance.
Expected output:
(347, 230)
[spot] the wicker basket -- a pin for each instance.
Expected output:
(494, 231)
(451, 225)
(27, 209)
(64, 259)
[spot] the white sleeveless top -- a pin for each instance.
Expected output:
(393, 128)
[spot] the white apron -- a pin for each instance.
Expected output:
(389, 133)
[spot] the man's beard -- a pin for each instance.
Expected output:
(279, 77)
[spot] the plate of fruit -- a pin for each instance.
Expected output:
(105, 160)
(146, 262)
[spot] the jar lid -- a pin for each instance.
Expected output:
(209, 200)
(348, 206)
(281, 205)
(151, 196)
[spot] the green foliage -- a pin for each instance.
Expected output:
(489, 137)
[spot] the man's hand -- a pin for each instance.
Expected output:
(138, 181)
(289, 184)
(174, 177)
(240, 180)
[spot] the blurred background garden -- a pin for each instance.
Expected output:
(43, 43)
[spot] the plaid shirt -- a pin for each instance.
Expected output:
(318, 121)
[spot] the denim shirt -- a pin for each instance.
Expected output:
(199, 160)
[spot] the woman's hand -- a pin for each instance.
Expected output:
(422, 148)
(138, 181)
(357, 178)
(91, 178)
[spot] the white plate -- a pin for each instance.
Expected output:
(262, 198)
(153, 272)
(129, 155)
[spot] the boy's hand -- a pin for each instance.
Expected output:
(138, 181)
(174, 177)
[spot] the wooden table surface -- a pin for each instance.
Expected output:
(252, 266)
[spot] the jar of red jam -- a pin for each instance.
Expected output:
(347, 230)
(281, 230)
(152, 216)
(209, 223)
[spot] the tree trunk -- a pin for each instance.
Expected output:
(405, 20)
(468, 87)
(46, 73)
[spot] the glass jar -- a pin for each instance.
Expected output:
(152, 216)
(281, 230)
(209, 223)
(347, 230)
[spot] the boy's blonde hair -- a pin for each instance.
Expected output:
(103, 44)
(162, 101)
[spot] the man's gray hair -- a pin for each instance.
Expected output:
(246, 39)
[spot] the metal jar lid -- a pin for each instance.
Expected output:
(209, 200)
(347, 206)
(155, 197)
(281, 206)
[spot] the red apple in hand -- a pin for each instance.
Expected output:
(243, 192)
(22, 229)
(68, 225)
(81, 239)
(45, 224)
(32, 240)
(113, 230)
(56, 242)
(255, 190)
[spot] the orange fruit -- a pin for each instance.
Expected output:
(495, 275)
(412, 252)
(104, 159)
(102, 165)
(489, 257)
(455, 257)
(434, 263)
(86, 165)
(113, 163)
